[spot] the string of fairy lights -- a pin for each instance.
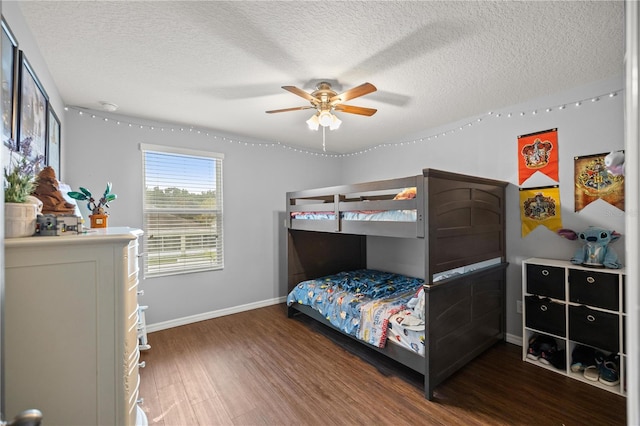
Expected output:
(278, 145)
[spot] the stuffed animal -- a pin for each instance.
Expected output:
(614, 163)
(595, 250)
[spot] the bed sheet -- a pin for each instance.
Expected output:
(406, 328)
(360, 302)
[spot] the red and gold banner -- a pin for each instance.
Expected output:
(538, 152)
(593, 181)
(540, 206)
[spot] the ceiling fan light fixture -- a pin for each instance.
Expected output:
(325, 118)
(335, 123)
(313, 122)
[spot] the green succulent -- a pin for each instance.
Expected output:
(95, 207)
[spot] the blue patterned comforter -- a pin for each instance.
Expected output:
(358, 302)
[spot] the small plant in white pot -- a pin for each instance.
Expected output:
(98, 214)
(20, 178)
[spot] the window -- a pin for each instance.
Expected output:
(182, 208)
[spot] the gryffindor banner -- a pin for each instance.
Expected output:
(538, 152)
(540, 206)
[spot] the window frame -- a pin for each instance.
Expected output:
(217, 212)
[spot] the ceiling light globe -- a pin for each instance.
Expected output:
(335, 123)
(313, 122)
(325, 118)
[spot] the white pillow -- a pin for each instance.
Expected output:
(64, 188)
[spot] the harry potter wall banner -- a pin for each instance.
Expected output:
(593, 181)
(538, 152)
(540, 206)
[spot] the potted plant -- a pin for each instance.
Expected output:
(98, 214)
(20, 179)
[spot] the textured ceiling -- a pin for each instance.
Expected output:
(220, 64)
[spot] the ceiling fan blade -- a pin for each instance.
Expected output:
(289, 109)
(356, 92)
(301, 93)
(355, 110)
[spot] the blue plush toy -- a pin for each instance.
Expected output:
(595, 250)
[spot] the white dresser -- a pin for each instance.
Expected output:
(71, 319)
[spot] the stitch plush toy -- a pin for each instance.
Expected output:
(595, 250)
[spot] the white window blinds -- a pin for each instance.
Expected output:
(182, 208)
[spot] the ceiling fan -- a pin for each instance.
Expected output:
(325, 100)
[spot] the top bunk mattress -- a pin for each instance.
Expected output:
(391, 207)
(383, 216)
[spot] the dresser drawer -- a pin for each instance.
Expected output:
(545, 315)
(131, 336)
(132, 257)
(131, 297)
(133, 400)
(546, 281)
(594, 288)
(594, 328)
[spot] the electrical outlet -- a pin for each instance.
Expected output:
(519, 306)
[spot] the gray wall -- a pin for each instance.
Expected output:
(255, 181)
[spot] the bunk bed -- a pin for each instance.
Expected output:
(460, 219)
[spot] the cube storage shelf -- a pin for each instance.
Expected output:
(575, 305)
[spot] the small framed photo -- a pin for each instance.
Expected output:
(9, 86)
(53, 142)
(33, 104)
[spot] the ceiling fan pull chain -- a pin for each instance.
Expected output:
(324, 146)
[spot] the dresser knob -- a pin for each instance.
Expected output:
(140, 401)
(140, 292)
(143, 364)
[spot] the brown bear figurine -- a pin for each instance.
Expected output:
(48, 192)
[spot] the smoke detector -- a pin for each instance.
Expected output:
(108, 106)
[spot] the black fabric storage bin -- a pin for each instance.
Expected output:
(545, 315)
(594, 328)
(546, 281)
(594, 289)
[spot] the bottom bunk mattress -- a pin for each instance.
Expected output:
(368, 304)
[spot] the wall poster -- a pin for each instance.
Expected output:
(593, 181)
(33, 109)
(540, 206)
(538, 152)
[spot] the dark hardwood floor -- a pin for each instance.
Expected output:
(262, 368)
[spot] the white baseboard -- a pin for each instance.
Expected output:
(213, 314)
(512, 338)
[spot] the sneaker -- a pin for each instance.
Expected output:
(533, 352)
(609, 370)
(539, 344)
(554, 357)
(593, 367)
(548, 350)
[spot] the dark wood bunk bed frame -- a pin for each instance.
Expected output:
(462, 221)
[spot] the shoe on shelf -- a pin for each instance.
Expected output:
(581, 357)
(548, 349)
(556, 358)
(609, 370)
(591, 372)
(533, 351)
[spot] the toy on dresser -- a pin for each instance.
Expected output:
(57, 216)
(595, 251)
